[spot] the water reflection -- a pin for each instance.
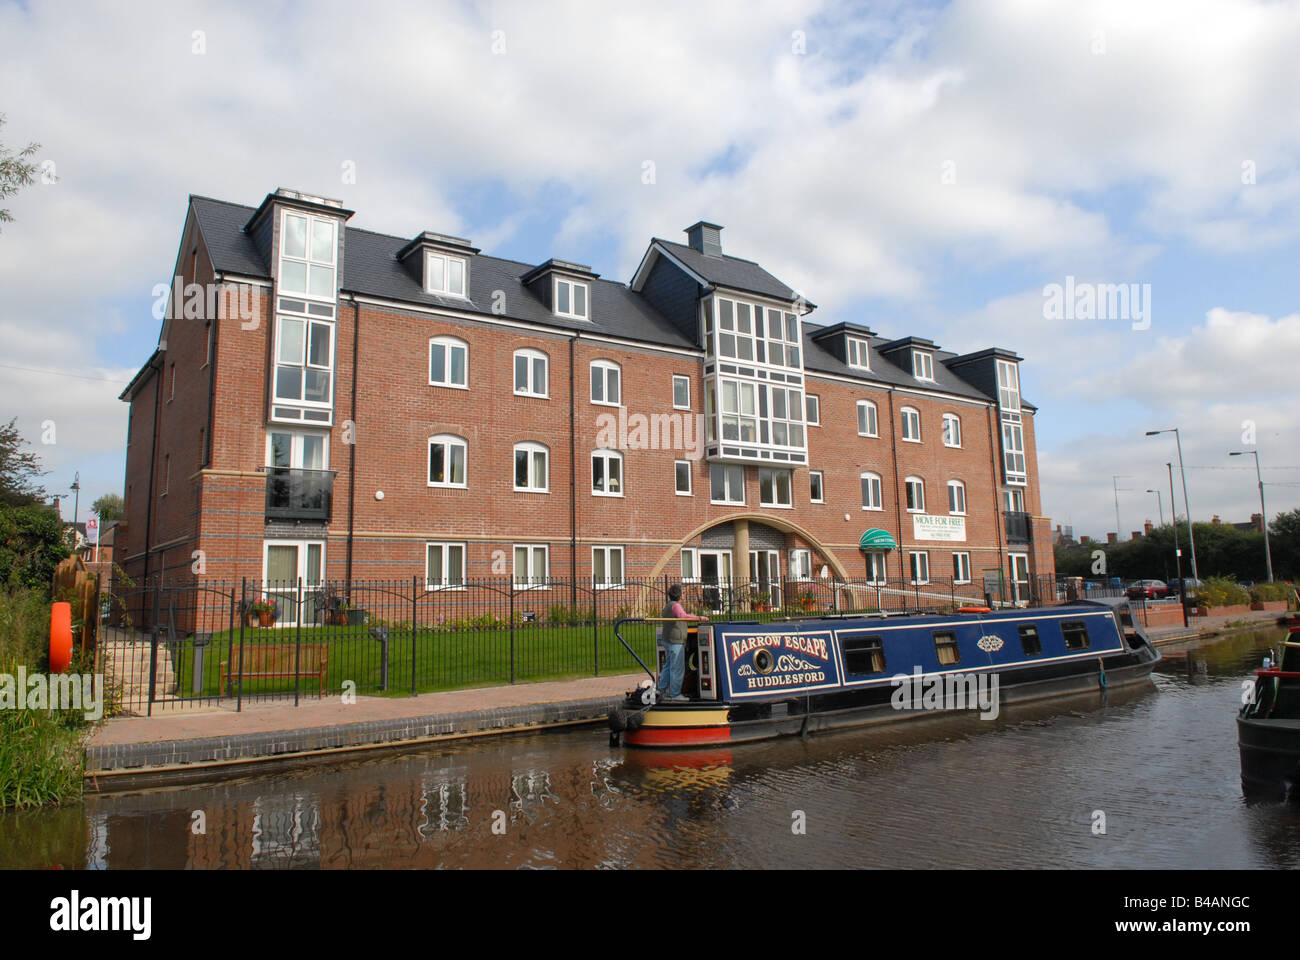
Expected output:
(1020, 791)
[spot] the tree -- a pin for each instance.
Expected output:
(19, 469)
(109, 507)
(16, 171)
(32, 542)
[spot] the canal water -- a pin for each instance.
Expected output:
(1144, 780)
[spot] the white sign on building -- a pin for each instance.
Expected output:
(929, 527)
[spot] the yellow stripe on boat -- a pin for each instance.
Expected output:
(714, 717)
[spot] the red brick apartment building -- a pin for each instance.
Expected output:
(367, 406)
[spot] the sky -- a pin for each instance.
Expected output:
(937, 170)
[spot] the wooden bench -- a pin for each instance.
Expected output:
(277, 662)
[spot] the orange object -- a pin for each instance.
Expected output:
(60, 637)
(974, 610)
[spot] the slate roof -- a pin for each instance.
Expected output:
(371, 267)
(817, 358)
(729, 271)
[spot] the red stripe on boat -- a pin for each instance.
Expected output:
(670, 736)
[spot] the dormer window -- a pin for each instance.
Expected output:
(570, 299)
(444, 274)
(922, 366)
(308, 255)
(857, 354)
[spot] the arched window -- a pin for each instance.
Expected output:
(532, 373)
(532, 468)
(951, 430)
(872, 492)
(607, 473)
(449, 362)
(956, 497)
(867, 419)
(911, 424)
(915, 495)
(606, 383)
(447, 461)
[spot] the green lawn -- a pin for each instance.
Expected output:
(443, 660)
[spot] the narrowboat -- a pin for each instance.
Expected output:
(1268, 725)
(755, 681)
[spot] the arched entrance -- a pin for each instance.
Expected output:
(743, 550)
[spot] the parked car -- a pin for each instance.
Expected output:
(1192, 585)
(1147, 590)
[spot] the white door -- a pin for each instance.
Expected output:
(715, 578)
(765, 575)
(1018, 565)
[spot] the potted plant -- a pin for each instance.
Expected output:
(761, 602)
(807, 601)
(264, 610)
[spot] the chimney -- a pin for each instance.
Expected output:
(1112, 538)
(1084, 539)
(1257, 521)
(1215, 519)
(56, 508)
(1147, 528)
(1137, 535)
(705, 237)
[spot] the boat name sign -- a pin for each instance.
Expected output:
(765, 663)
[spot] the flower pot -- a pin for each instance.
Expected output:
(356, 618)
(266, 618)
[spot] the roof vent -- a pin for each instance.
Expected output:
(705, 237)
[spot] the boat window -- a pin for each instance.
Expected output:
(863, 654)
(1076, 634)
(1029, 639)
(945, 645)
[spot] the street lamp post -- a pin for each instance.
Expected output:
(1178, 554)
(1191, 534)
(1268, 554)
(1159, 506)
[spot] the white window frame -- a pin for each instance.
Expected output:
(532, 548)
(531, 449)
(878, 487)
(690, 480)
(622, 568)
(605, 367)
(916, 414)
(955, 433)
(307, 321)
(812, 409)
(1009, 498)
(920, 486)
(571, 285)
(609, 457)
(873, 418)
(449, 440)
(530, 388)
(687, 382)
(800, 559)
(959, 486)
(282, 591)
(694, 575)
(726, 468)
(306, 259)
(821, 487)
(923, 365)
(775, 473)
(1009, 386)
(296, 446)
(857, 353)
(918, 577)
(960, 564)
(445, 548)
(446, 290)
(877, 566)
(449, 344)
(1015, 465)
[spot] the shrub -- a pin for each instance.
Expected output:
(1222, 592)
(1262, 592)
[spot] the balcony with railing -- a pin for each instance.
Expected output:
(1017, 526)
(296, 494)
